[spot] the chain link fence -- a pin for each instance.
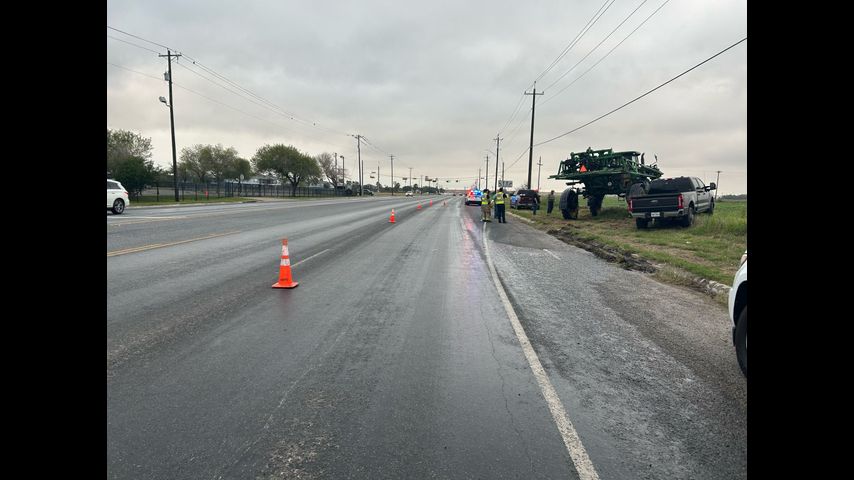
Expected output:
(164, 192)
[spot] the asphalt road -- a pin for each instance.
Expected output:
(395, 357)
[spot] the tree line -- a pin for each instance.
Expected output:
(129, 161)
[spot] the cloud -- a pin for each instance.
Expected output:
(433, 82)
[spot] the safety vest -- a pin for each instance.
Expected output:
(499, 199)
(484, 200)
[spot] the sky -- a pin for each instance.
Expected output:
(435, 82)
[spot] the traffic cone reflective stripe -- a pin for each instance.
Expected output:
(391, 218)
(285, 279)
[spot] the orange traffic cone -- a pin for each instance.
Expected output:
(391, 218)
(285, 280)
(419, 207)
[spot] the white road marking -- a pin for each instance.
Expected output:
(552, 254)
(576, 450)
(309, 258)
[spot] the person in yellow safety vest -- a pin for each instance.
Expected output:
(500, 202)
(485, 203)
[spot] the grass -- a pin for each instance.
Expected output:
(151, 200)
(711, 248)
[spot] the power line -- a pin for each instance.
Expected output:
(292, 115)
(269, 105)
(374, 146)
(578, 37)
(607, 54)
(645, 94)
(134, 71)
(209, 99)
(515, 110)
(600, 43)
(311, 134)
(140, 38)
(566, 50)
(131, 43)
(212, 72)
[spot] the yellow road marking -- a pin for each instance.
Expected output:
(161, 245)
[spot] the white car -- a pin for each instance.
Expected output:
(408, 194)
(117, 197)
(738, 313)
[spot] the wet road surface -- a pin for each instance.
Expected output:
(395, 358)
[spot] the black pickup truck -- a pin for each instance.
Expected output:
(671, 198)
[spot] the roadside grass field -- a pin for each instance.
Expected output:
(711, 248)
(151, 200)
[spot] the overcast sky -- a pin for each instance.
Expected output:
(433, 82)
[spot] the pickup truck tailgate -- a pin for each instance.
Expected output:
(664, 203)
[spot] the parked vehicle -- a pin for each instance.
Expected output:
(738, 314)
(409, 194)
(671, 198)
(600, 173)
(526, 199)
(117, 197)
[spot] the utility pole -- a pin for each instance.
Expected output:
(539, 165)
(478, 179)
(486, 181)
(336, 170)
(502, 172)
(410, 180)
(169, 56)
(392, 174)
(343, 170)
(496, 162)
(359, 161)
(716, 185)
(531, 146)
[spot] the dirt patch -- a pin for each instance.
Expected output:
(633, 261)
(629, 261)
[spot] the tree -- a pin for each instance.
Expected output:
(135, 173)
(327, 165)
(197, 160)
(239, 166)
(240, 169)
(221, 163)
(183, 172)
(123, 145)
(288, 163)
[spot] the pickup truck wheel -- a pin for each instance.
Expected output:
(741, 341)
(688, 219)
(712, 207)
(566, 214)
(641, 223)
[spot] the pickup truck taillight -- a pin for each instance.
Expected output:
(630, 205)
(681, 201)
